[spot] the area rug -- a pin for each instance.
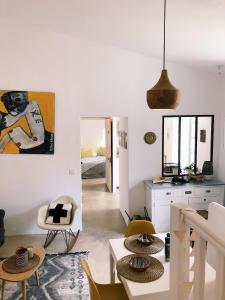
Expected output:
(61, 277)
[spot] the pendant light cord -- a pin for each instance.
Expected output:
(164, 35)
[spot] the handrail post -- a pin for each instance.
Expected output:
(199, 270)
(179, 258)
(220, 277)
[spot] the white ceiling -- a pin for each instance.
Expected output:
(195, 29)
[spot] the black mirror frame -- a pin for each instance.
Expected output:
(179, 139)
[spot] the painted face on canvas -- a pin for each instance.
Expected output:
(15, 102)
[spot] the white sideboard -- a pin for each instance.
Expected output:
(159, 197)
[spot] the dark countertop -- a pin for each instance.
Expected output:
(213, 182)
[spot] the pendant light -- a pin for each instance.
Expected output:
(163, 95)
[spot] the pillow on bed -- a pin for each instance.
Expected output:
(88, 153)
(102, 151)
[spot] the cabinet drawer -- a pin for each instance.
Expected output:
(194, 200)
(169, 200)
(198, 203)
(167, 193)
(208, 191)
(213, 199)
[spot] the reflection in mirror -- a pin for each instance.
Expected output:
(171, 129)
(187, 144)
(204, 141)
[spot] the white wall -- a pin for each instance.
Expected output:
(89, 79)
(92, 133)
(124, 169)
(200, 94)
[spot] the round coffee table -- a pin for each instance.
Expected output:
(22, 277)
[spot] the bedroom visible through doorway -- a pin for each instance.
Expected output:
(100, 152)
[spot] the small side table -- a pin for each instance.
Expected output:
(22, 277)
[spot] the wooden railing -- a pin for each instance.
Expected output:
(191, 277)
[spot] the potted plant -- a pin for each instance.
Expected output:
(190, 169)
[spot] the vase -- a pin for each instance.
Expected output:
(207, 169)
(21, 257)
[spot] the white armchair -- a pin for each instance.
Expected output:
(53, 229)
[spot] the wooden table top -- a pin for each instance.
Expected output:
(24, 275)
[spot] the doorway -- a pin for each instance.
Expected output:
(100, 152)
(104, 197)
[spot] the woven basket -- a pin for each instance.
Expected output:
(197, 178)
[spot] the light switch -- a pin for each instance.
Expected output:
(71, 172)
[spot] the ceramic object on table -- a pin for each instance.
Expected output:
(21, 257)
(139, 263)
(145, 239)
(30, 250)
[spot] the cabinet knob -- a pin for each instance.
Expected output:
(208, 191)
(168, 193)
(204, 199)
(171, 201)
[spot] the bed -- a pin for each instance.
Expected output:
(93, 167)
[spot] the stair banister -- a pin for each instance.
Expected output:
(183, 286)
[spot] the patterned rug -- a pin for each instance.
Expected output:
(61, 277)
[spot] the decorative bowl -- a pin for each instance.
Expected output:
(145, 239)
(139, 263)
(197, 177)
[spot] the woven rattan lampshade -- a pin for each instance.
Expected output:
(163, 95)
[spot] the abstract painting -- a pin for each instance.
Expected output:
(26, 122)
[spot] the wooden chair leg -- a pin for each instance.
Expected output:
(37, 277)
(24, 292)
(3, 287)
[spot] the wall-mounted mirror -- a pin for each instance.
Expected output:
(187, 141)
